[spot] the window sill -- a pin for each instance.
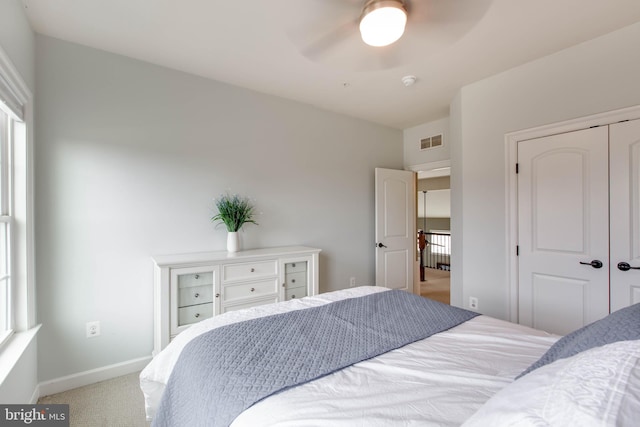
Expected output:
(13, 349)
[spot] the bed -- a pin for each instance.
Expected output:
(461, 375)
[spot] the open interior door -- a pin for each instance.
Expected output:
(395, 217)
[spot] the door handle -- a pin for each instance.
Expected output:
(596, 263)
(624, 266)
(381, 245)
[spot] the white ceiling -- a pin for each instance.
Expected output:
(264, 45)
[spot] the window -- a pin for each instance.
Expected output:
(17, 288)
(6, 311)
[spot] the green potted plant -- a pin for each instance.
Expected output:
(234, 211)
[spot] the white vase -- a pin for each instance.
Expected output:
(233, 241)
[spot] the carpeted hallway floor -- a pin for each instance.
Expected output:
(436, 286)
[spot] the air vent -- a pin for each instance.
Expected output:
(431, 142)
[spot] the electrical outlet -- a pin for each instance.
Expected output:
(473, 303)
(93, 329)
(352, 282)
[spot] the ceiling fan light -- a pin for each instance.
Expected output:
(383, 22)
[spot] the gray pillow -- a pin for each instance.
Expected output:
(621, 325)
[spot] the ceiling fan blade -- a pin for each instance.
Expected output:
(443, 21)
(315, 26)
(314, 49)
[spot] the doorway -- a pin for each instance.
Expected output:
(433, 231)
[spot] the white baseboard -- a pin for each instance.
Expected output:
(92, 376)
(35, 396)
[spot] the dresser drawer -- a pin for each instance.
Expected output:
(295, 267)
(195, 279)
(295, 293)
(234, 307)
(194, 313)
(249, 270)
(294, 280)
(195, 295)
(233, 292)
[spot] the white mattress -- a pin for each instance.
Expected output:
(441, 380)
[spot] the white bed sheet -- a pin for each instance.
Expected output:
(441, 380)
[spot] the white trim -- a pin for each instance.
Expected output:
(92, 376)
(35, 396)
(13, 350)
(430, 166)
(511, 183)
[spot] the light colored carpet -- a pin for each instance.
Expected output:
(437, 285)
(113, 403)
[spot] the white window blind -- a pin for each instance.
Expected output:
(10, 100)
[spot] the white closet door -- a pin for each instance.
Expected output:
(625, 213)
(563, 203)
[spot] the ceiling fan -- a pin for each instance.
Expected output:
(330, 32)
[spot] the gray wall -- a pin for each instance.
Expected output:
(434, 224)
(439, 183)
(596, 76)
(413, 155)
(129, 158)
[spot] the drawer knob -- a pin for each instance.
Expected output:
(293, 296)
(253, 289)
(293, 280)
(253, 269)
(197, 276)
(284, 285)
(217, 295)
(197, 314)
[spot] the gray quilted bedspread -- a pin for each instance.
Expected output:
(226, 370)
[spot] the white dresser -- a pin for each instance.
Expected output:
(192, 287)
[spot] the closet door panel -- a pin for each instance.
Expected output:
(625, 213)
(563, 207)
